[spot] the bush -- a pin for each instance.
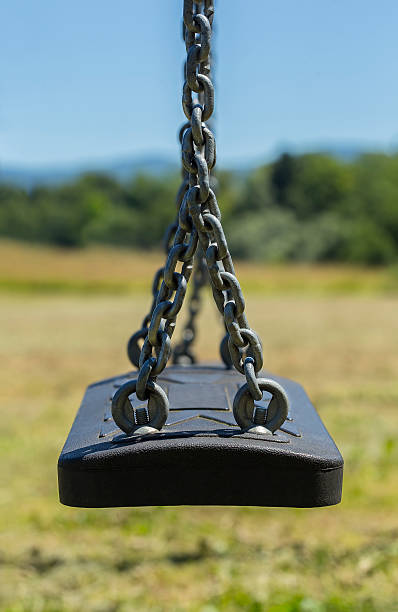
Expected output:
(303, 208)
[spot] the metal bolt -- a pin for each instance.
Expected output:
(260, 415)
(141, 415)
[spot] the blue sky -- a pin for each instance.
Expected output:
(89, 79)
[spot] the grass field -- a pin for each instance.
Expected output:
(65, 320)
(34, 269)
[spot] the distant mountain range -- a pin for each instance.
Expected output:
(124, 168)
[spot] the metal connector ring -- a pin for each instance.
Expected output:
(277, 410)
(123, 412)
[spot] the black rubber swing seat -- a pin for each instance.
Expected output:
(200, 457)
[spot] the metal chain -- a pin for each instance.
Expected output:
(199, 221)
(133, 348)
(198, 225)
(182, 353)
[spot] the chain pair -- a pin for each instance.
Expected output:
(198, 223)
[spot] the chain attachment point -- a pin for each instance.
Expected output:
(126, 417)
(245, 409)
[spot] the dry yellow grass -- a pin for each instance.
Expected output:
(100, 269)
(55, 559)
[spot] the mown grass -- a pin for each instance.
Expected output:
(343, 348)
(30, 268)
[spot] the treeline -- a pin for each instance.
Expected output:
(304, 208)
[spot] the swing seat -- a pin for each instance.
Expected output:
(200, 457)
